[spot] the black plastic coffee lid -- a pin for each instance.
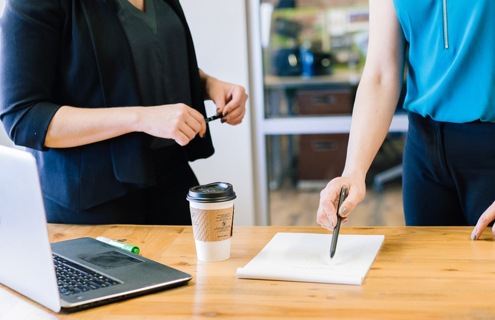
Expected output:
(212, 192)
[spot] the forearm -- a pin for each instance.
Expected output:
(376, 101)
(207, 81)
(72, 127)
(204, 80)
(379, 89)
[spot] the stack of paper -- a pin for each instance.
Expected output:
(306, 257)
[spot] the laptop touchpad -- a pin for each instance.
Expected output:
(109, 260)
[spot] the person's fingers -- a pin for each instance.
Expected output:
(352, 200)
(181, 139)
(329, 198)
(220, 105)
(183, 134)
(485, 219)
(322, 219)
(190, 128)
(187, 124)
(331, 217)
(196, 121)
(234, 96)
(234, 117)
(221, 98)
(235, 108)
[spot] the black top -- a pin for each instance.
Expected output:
(158, 45)
(65, 52)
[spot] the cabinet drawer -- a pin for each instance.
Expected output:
(322, 156)
(320, 102)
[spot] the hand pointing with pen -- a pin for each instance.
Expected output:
(327, 211)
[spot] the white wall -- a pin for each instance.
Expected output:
(220, 37)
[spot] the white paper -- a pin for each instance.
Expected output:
(13, 307)
(306, 257)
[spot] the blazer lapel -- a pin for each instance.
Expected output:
(113, 54)
(131, 152)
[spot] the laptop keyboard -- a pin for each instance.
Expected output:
(73, 278)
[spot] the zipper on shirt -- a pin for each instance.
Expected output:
(445, 26)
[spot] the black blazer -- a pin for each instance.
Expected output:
(75, 52)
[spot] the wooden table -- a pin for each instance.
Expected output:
(420, 273)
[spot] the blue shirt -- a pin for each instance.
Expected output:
(451, 70)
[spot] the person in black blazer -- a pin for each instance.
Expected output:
(108, 96)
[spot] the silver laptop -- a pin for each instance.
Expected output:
(31, 265)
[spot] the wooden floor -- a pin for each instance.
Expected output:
(292, 207)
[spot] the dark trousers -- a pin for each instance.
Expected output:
(163, 204)
(448, 172)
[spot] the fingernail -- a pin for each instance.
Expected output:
(226, 113)
(223, 120)
(343, 212)
(473, 236)
(218, 109)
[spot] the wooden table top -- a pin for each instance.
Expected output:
(419, 273)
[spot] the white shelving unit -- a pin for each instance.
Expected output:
(292, 125)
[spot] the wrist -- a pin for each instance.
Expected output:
(355, 174)
(134, 119)
(208, 83)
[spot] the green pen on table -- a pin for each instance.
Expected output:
(118, 244)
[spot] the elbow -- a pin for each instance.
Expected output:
(25, 127)
(19, 134)
(389, 82)
(383, 74)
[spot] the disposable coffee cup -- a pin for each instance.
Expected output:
(212, 215)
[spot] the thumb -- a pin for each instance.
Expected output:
(220, 105)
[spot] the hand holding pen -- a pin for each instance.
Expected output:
(336, 230)
(229, 99)
(326, 214)
(215, 117)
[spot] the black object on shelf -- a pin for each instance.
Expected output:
(286, 62)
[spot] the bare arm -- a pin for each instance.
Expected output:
(71, 126)
(379, 89)
(376, 101)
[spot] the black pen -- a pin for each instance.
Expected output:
(336, 230)
(215, 117)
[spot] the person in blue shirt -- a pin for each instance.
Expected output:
(109, 98)
(447, 48)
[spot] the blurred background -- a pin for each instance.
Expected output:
(313, 53)
(300, 62)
